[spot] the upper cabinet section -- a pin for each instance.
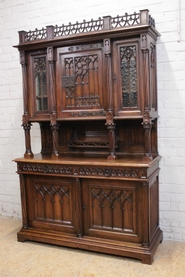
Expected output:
(99, 69)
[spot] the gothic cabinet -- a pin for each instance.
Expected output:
(91, 87)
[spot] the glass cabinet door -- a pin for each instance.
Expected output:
(38, 85)
(126, 85)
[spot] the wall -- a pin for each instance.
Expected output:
(16, 15)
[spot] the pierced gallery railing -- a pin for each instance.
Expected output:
(101, 24)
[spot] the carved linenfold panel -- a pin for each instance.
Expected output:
(129, 76)
(52, 202)
(106, 204)
(83, 171)
(40, 75)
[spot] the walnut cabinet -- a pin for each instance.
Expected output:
(91, 87)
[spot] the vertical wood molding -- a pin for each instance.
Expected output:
(109, 116)
(23, 201)
(78, 208)
(145, 215)
(24, 81)
(50, 58)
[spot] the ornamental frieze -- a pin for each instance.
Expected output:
(82, 171)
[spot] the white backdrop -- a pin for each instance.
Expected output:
(16, 15)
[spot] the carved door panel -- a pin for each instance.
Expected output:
(50, 203)
(111, 209)
(80, 81)
(126, 85)
(38, 85)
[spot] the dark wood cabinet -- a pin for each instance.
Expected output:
(91, 86)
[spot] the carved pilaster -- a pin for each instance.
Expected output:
(145, 214)
(27, 126)
(24, 81)
(54, 128)
(23, 201)
(109, 116)
(50, 58)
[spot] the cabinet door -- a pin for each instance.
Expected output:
(38, 85)
(112, 210)
(80, 81)
(127, 73)
(50, 203)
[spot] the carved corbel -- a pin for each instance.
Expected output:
(107, 47)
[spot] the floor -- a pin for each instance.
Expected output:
(32, 259)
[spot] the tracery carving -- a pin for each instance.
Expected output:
(111, 195)
(57, 195)
(85, 68)
(115, 201)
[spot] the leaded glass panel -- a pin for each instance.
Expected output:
(129, 76)
(40, 83)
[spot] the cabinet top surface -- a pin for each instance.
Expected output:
(133, 161)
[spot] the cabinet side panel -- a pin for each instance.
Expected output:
(154, 207)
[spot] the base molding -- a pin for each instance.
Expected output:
(119, 248)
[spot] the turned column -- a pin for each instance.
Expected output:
(25, 118)
(109, 115)
(53, 123)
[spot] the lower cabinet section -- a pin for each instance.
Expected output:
(110, 216)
